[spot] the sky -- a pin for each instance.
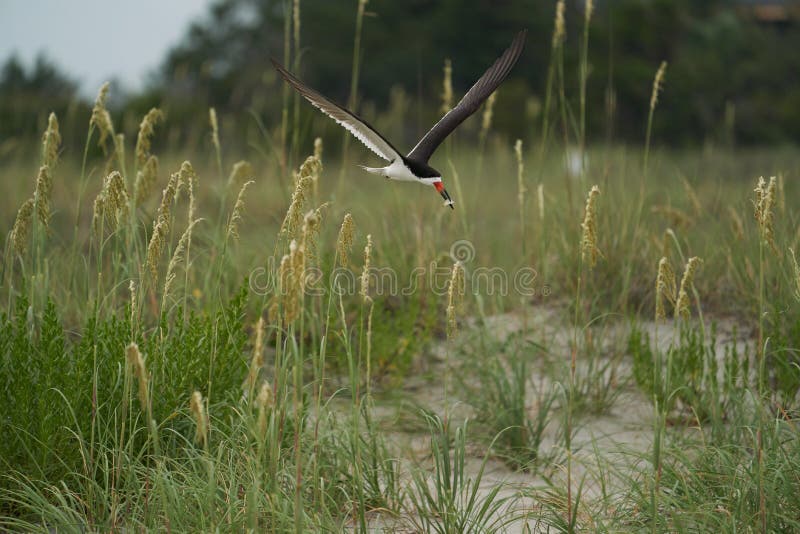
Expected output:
(94, 41)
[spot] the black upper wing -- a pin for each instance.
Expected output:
(347, 119)
(468, 105)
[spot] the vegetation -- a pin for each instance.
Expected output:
(274, 347)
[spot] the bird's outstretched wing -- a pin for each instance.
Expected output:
(347, 119)
(468, 105)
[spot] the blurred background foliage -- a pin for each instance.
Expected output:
(732, 75)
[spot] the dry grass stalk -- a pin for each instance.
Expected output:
(236, 214)
(683, 305)
(796, 270)
(187, 179)
(264, 402)
(241, 172)
(540, 199)
(737, 226)
(111, 204)
(303, 184)
(42, 195)
(200, 416)
(51, 141)
(318, 148)
(455, 297)
(447, 87)
(212, 119)
(589, 250)
(765, 198)
(559, 31)
(134, 305)
(146, 177)
(136, 363)
(666, 243)
(665, 287)
(101, 118)
(146, 131)
(291, 278)
(365, 271)
(691, 194)
(161, 226)
(177, 257)
(588, 10)
(344, 243)
(521, 190)
(257, 361)
(22, 226)
(312, 224)
(658, 83)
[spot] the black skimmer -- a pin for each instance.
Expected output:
(414, 167)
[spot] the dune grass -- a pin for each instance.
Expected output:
(194, 342)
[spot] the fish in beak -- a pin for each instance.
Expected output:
(447, 200)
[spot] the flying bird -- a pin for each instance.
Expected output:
(414, 166)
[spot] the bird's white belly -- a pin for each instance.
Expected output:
(398, 171)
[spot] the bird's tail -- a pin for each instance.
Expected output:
(374, 170)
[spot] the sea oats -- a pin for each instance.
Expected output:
(212, 119)
(119, 150)
(51, 141)
(101, 119)
(796, 270)
(665, 287)
(236, 214)
(294, 215)
(187, 179)
(241, 172)
(282, 289)
(455, 296)
(764, 210)
(146, 177)
(318, 148)
(198, 409)
(161, 226)
(344, 243)
(683, 304)
(42, 194)
(97, 215)
(658, 83)
(589, 250)
(312, 224)
(22, 225)
(447, 87)
(136, 363)
(178, 257)
(521, 190)
(146, 131)
(111, 204)
(257, 361)
(365, 270)
(291, 280)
